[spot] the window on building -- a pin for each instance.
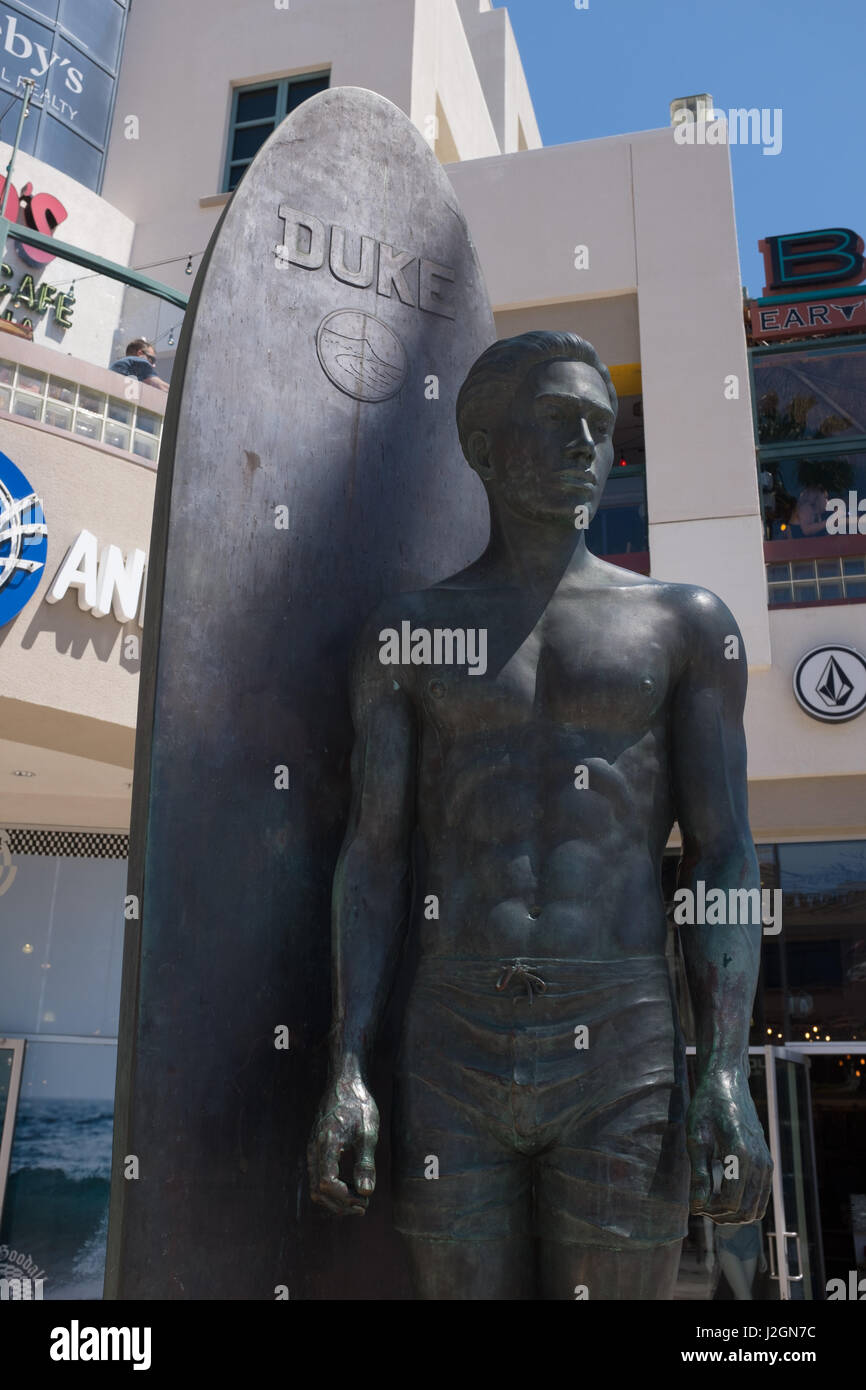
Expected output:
(618, 532)
(812, 982)
(102, 418)
(257, 110)
(810, 427)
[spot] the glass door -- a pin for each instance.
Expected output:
(780, 1257)
(794, 1242)
(11, 1061)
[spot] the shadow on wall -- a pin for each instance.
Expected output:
(74, 631)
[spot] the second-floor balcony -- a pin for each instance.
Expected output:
(61, 393)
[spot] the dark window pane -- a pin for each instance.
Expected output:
(780, 593)
(58, 146)
(248, 140)
(9, 121)
(814, 394)
(855, 588)
(96, 24)
(253, 106)
(82, 95)
(236, 173)
(831, 590)
(855, 565)
(807, 495)
(17, 57)
(619, 527)
(46, 7)
(824, 933)
(300, 91)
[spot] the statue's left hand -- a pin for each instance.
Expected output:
(722, 1126)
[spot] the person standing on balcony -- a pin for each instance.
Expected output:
(140, 361)
(809, 515)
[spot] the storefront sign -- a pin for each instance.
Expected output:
(815, 261)
(41, 211)
(35, 298)
(830, 683)
(106, 582)
(23, 56)
(23, 540)
(70, 51)
(814, 272)
(829, 314)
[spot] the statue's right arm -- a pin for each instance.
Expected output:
(370, 905)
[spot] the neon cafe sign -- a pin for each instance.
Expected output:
(44, 213)
(813, 284)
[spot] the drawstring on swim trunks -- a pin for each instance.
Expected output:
(519, 970)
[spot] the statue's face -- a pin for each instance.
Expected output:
(554, 449)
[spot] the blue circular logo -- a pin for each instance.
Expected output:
(23, 540)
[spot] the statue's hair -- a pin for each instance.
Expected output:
(495, 376)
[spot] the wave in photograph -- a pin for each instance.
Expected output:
(56, 1207)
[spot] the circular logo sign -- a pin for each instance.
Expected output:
(830, 683)
(23, 540)
(361, 355)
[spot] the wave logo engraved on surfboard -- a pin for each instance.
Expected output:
(361, 355)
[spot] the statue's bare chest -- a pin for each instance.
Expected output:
(599, 670)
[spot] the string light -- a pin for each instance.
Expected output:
(152, 265)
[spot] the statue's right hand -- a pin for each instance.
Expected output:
(348, 1119)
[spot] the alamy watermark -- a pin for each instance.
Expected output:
(739, 126)
(720, 907)
(77, 1343)
(439, 646)
(855, 1289)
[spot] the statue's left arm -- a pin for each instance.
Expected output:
(721, 962)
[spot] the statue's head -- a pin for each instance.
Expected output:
(535, 417)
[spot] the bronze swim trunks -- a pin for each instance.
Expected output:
(533, 1132)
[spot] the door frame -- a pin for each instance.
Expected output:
(17, 1046)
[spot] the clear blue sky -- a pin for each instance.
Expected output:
(615, 67)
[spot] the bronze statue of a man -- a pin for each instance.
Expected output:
(543, 718)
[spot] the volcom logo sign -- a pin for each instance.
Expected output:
(23, 540)
(830, 683)
(365, 262)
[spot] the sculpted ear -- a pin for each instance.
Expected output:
(478, 450)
